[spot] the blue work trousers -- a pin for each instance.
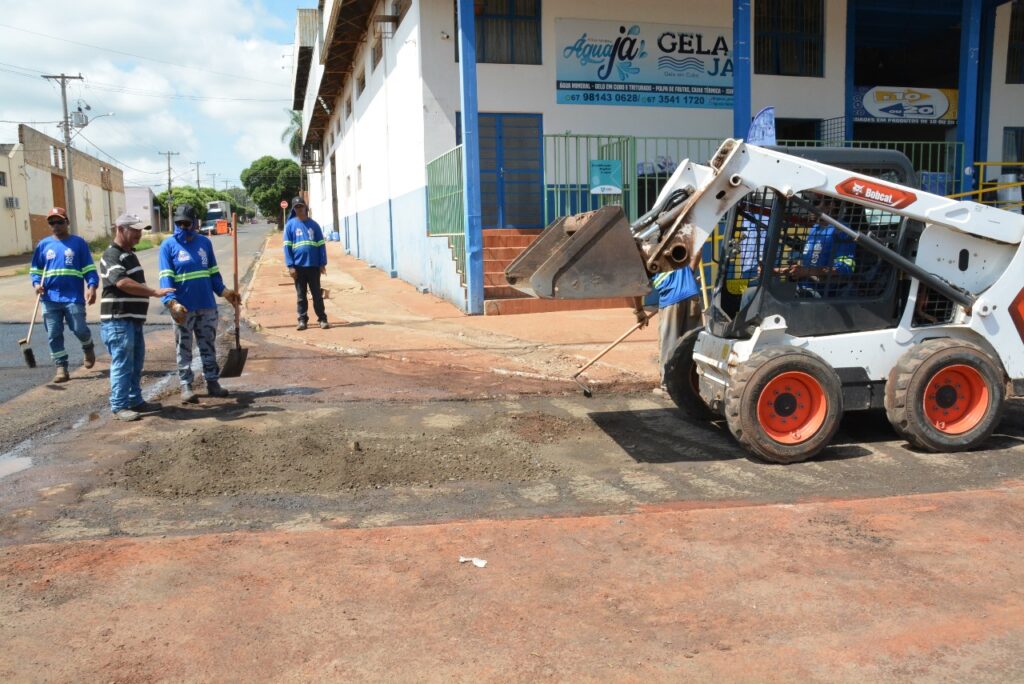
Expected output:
(55, 314)
(126, 343)
(200, 324)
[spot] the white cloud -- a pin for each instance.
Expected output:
(223, 42)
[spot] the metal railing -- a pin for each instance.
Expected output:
(939, 165)
(1004, 194)
(445, 208)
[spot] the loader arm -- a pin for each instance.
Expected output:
(588, 255)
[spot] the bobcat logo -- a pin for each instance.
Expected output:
(857, 189)
(203, 258)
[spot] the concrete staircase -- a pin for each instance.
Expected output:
(501, 247)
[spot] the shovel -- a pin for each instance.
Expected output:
(30, 357)
(235, 362)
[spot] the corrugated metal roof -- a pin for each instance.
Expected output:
(306, 27)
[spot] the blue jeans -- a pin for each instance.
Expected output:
(127, 346)
(54, 316)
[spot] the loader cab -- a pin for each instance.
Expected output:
(776, 257)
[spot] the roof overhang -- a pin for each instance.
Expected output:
(306, 30)
(347, 28)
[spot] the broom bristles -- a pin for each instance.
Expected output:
(30, 357)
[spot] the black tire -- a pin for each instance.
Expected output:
(681, 378)
(977, 404)
(762, 372)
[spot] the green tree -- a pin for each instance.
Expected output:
(186, 194)
(293, 133)
(269, 180)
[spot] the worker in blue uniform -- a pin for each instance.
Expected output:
(188, 264)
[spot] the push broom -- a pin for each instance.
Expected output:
(26, 350)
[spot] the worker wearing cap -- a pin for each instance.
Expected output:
(305, 255)
(188, 265)
(64, 276)
(123, 307)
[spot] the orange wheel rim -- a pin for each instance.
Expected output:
(792, 408)
(956, 399)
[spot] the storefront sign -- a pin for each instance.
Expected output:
(883, 104)
(605, 177)
(647, 65)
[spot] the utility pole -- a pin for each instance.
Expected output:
(225, 184)
(214, 183)
(69, 179)
(170, 196)
(197, 164)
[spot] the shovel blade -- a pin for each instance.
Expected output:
(588, 256)
(235, 363)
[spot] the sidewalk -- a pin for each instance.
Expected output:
(375, 315)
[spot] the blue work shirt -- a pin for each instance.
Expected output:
(675, 286)
(64, 267)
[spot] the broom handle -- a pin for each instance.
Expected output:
(238, 309)
(35, 312)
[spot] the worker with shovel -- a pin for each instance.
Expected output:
(123, 307)
(188, 265)
(64, 278)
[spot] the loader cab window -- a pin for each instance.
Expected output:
(777, 256)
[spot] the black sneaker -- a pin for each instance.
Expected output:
(214, 389)
(301, 325)
(188, 396)
(147, 407)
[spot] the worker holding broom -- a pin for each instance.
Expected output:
(188, 265)
(64, 277)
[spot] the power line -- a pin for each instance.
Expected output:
(148, 59)
(115, 159)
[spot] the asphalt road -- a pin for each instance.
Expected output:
(15, 293)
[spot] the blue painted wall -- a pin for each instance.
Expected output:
(420, 260)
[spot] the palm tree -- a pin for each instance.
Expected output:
(293, 133)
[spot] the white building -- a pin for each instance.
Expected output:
(32, 181)
(644, 84)
(141, 201)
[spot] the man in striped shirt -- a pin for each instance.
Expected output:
(64, 277)
(123, 308)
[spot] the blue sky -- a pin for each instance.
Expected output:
(210, 79)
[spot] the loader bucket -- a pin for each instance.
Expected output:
(587, 256)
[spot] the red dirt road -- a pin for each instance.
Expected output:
(921, 588)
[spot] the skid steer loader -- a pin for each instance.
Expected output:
(839, 287)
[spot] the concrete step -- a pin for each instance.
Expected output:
(512, 231)
(527, 305)
(497, 241)
(497, 278)
(504, 291)
(495, 253)
(496, 265)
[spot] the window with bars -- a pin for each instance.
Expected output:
(377, 51)
(789, 37)
(400, 8)
(1015, 51)
(507, 31)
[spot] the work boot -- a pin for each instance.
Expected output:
(147, 407)
(214, 389)
(127, 415)
(90, 356)
(188, 396)
(62, 375)
(324, 325)
(301, 325)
